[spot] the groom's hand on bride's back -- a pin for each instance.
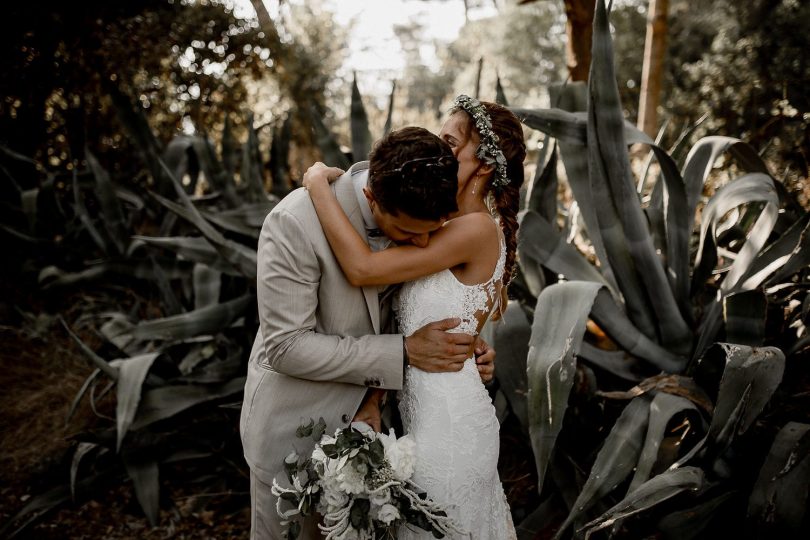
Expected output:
(432, 348)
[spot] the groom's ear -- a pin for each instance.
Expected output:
(369, 195)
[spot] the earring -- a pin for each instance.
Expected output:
(475, 185)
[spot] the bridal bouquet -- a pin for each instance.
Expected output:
(359, 481)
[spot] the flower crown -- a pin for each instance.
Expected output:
(488, 151)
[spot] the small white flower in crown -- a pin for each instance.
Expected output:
(488, 151)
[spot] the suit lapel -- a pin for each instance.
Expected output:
(347, 197)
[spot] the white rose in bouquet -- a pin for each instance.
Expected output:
(388, 513)
(351, 480)
(334, 498)
(400, 453)
(318, 455)
(380, 498)
(330, 471)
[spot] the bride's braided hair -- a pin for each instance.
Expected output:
(506, 195)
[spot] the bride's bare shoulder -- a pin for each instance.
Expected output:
(476, 223)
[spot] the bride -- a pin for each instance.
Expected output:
(462, 272)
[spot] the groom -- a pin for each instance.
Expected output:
(323, 343)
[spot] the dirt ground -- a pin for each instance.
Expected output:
(41, 370)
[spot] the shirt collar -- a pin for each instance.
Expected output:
(360, 181)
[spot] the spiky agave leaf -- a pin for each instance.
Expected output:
(80, 394)
(511, 341)
(246, 220)
(84, 215)
(615, 460)
(144, 473)
(207, 285)
(194, 249)
(207, 320)
(137, 126)
(542, 192)
(663, 408)
(557, 331)
(702, 157)
(690, 522)
(129, 387)
(749, 379)
(778, 503)
(166, 401)
(500, 96)
(361, 136)
(280, 158)
(539, 240)
(82, 449)
(51, 276)
(744, 317)
(618, 363)
(627, 239)
(252, 179)
(615, 323)
(329, 147)
(656, 490)
(231, 251)
(390, 115)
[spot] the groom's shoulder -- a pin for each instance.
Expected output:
(298, 200)
(297, 203)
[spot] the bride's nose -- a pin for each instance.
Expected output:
(420, 240)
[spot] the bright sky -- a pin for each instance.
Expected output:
(373, 45)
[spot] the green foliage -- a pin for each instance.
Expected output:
(743, 64)
(662, 300)
(186, 363)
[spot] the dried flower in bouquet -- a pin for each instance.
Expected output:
(360, 483)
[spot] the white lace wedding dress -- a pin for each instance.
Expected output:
(450, 415)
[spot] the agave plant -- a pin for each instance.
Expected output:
(170, 375)
(173, 378)
(683, 328)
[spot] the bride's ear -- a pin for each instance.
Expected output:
(486, 169)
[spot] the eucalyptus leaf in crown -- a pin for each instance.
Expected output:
(489, 151)
(360, 482)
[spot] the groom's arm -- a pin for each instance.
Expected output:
(287, 290)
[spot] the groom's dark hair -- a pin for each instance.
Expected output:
(413, 171)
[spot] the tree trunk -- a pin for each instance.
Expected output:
(655, 47)
(265, 21)
(579, 29)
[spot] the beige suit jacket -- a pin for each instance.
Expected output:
(318, 346)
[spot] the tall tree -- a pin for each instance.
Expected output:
(178, 60)
(652, 70)
(579, 30)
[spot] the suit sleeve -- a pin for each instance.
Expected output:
(287, 291)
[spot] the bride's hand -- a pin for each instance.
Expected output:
(320, 174)
(370, 410)
(485, 360)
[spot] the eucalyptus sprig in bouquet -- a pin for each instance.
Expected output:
(360, 483)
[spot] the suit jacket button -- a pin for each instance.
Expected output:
(345, 418)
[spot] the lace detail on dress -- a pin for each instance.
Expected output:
(450, 415)
(420, 300)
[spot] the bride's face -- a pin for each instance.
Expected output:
(458, 133)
